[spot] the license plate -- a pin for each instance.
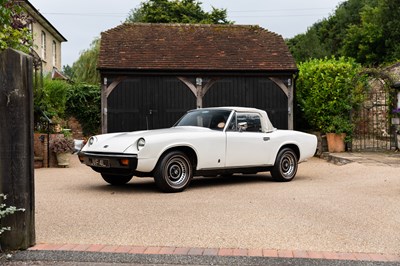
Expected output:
(99, 162)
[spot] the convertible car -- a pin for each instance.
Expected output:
(208, 141)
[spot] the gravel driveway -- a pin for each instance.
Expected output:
(349, 208)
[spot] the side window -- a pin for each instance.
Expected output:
(43, 45)
(249, 122)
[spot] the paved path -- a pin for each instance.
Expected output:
(391, 159)
(349, 212)
(225, 252)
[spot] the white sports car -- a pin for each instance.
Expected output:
(208, 141)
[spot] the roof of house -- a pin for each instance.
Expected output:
(35, 14)
(187, 47)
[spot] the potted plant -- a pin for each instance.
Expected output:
(63, 147)
(336, 132)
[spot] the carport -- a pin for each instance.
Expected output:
(153, 73)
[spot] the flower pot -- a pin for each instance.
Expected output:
(63, 159)
(336, 142)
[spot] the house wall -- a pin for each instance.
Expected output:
(48, 63)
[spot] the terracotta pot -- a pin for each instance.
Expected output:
(336, 142)
(63, 159)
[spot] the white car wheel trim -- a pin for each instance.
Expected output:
(288, 165)
(176, 171)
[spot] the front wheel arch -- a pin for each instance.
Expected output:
(188, 151)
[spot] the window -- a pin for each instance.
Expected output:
(213, 119)
(54, 53)
(249, 122)
(43, 45)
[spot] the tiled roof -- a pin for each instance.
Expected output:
(184, 47)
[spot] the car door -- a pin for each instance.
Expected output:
(246, 145)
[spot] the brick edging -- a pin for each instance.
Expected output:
(236, 252)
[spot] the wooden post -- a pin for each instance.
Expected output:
(104, 118)
(16, 148)
(288, 90)
(290, 103)
(198, 90)
(105, 92)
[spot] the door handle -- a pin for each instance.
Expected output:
(266, 138)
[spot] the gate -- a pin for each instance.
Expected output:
(372, 127)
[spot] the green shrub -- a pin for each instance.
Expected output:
(52, 97)
(84, 103)
(326, 93)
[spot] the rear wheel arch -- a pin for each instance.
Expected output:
(293, 147)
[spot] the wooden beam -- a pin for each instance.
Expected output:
(288, 90)
(105, 92)
(198, 90)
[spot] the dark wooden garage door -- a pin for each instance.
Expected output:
(256, 92)
(158, 102)
(148, 103)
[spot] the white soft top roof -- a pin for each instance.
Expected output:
(265, 122)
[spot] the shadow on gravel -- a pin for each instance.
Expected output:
(147, 185)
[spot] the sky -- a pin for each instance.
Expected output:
(81, 21)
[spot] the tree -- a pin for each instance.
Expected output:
(390, 10)
(308, 45)
(84, 69)
(325, 37)
(176, 11)
(376, 39)
(14, 31)
(364, 41)
(366, 30)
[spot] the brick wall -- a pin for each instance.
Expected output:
(43, 156)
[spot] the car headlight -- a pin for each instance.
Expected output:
(91, 141)
(140, 144)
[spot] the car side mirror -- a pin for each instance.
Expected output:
(242, 126)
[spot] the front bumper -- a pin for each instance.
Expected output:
(109, 162)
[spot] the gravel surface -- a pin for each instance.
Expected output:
(349, 208)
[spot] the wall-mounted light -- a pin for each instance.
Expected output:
(199, 81)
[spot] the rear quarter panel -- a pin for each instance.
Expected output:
(307, 143)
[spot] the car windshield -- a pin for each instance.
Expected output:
(213, 119)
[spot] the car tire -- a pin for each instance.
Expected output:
(285, 167)
(173, 172)
(116, 180)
